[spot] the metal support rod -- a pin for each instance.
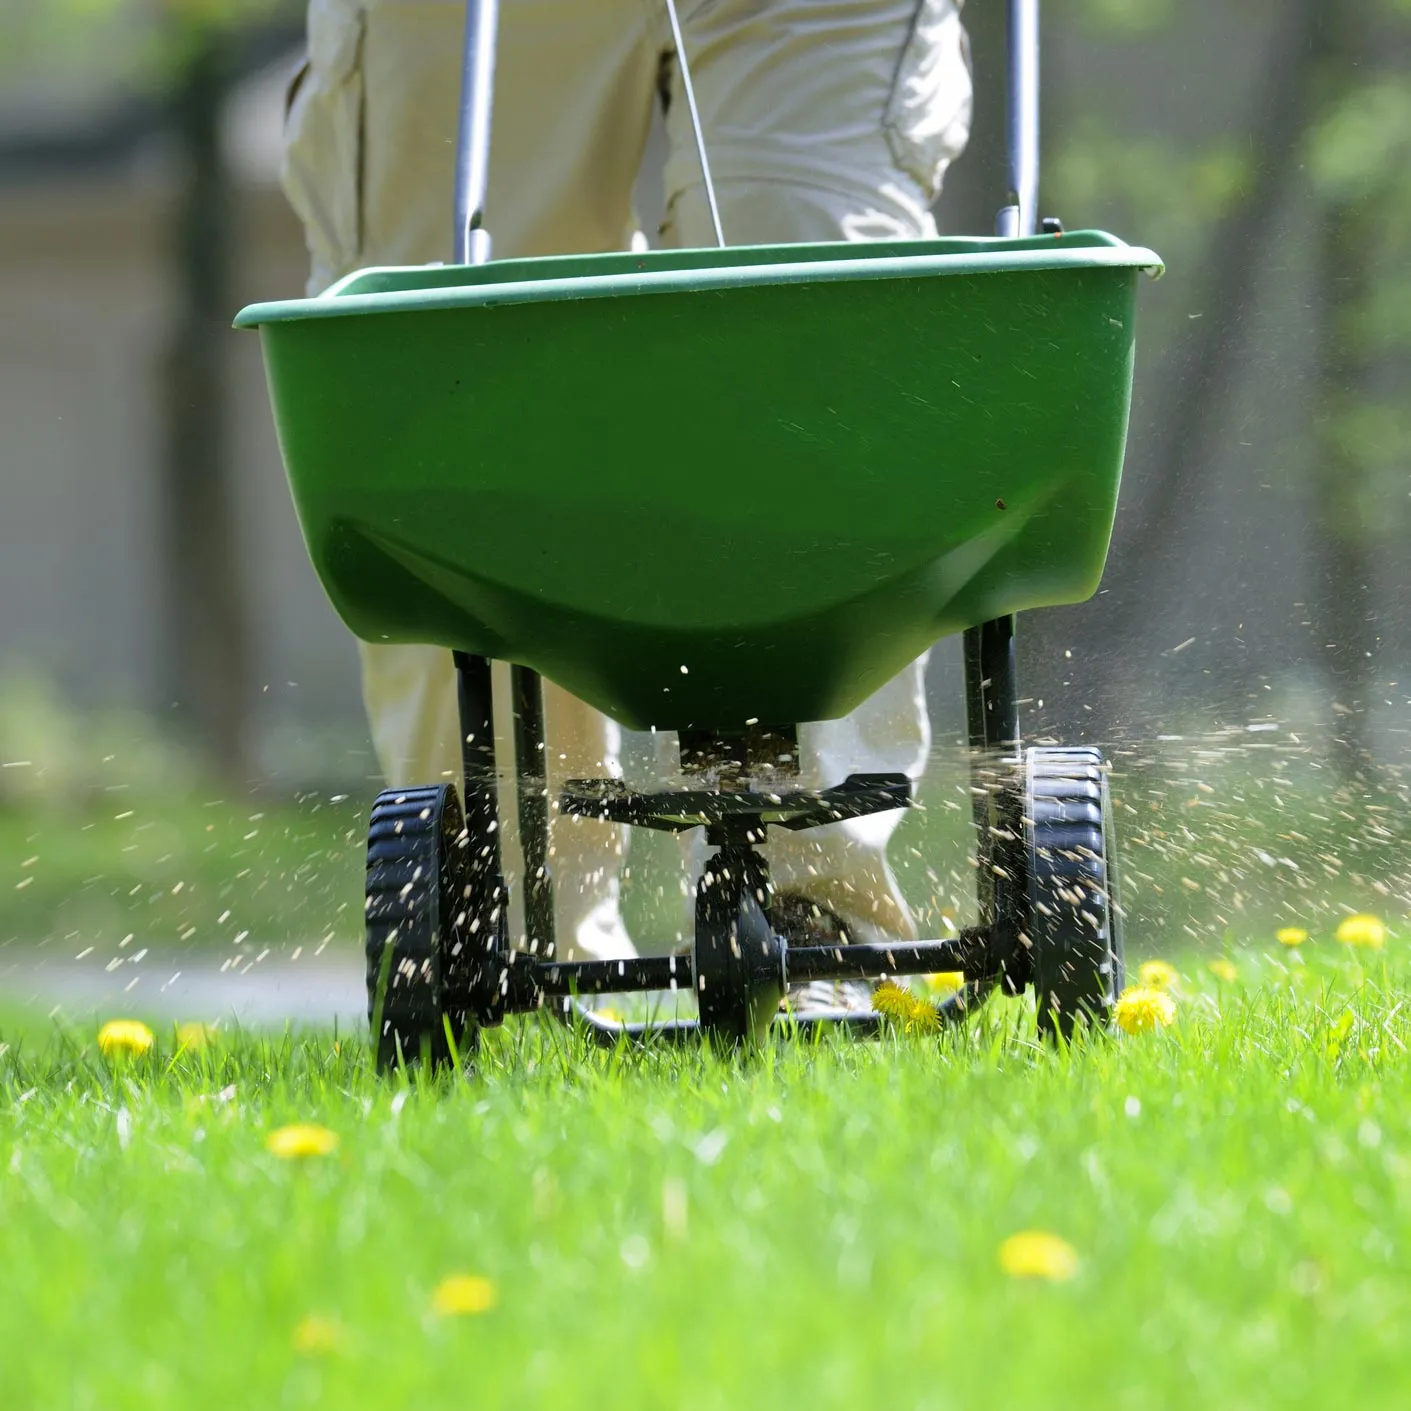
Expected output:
(472, 241)
(603, 977)
(482, 821)
(991, 691)
(992, 721)
(531, 756)
(875, 962)
(696, 128)
(991, 685)
(974, 690)
(678, 972)
(471, 246)
(1020, 214)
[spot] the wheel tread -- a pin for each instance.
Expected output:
(1074, 926)
(408, 875)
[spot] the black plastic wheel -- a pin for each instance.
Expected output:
(422, 954)
(1074, 925)
(738, 959)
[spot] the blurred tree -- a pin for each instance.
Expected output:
(186, 55)
(1238, 224)
(1359, 162)
(209, 661)
(1204, 200)
(1332, 116)
(202, 43)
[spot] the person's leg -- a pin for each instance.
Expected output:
(369, 167)
(827, 123)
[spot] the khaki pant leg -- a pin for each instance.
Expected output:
(827, 123)
(369, 167)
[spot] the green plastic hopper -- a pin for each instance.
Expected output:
(698, 488)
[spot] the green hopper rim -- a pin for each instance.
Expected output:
(695, 271)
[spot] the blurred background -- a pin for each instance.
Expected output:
(185, 765)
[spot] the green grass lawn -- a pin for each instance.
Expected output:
(817, 1228)
(169, 872)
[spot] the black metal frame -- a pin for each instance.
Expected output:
(509, 981)
(992, 720)
(513, 981)
(519, 983)
(531, 761)
(485, 876)
(724, 813)
(991, 676)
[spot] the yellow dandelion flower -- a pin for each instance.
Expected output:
(1362, 931)
(301, 1139)
(1224, 971)
(945, 984)
(124, 1038)
(1141, 1010)
(316, 1336)
(905, 1010)
(1290, 935)
(461, 1294)
(1037, 1254)
(1159, 975)
(891, 1000)
(194, 1036)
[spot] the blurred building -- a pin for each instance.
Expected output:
(85, 293)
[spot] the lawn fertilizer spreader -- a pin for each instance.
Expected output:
(886, 443)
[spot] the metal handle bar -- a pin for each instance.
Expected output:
(1020, 216)
(690, 90)
(472, 241)
(471, 244)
